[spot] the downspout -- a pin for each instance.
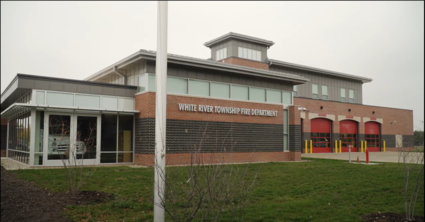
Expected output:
(115, 70)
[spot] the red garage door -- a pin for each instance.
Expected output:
(372, 136)
(321, 135)
(348, 135)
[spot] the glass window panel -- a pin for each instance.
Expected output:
(287, 97)
(258, 55)
(125, 157)
(110, 103)
(176, 85)
(274, 96)
(325, 97)
(86, 139)
(217, 55)
(220, 90)
(285, 122)
(109, 132)
(39, 131)
(257, 94)
(59, 137)
(240, 92)
(254, 55)
(245, 53)
(125, 137)
(342, 92)
(224, 53)
(87, 101)
(141, 85)
(250, 56)
(285, 143)
(60, 99)
(240, 53)
(351, 93)
(314, 89)
(325, 90)
(152, 83)
(40, 97)
(200, 88)
(108, 158)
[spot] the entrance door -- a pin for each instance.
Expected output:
(348, 135)
(71, 139)
(372, 136)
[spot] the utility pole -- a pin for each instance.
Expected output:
(161, 111)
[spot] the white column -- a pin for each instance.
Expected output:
(160, 113)
(32, 137)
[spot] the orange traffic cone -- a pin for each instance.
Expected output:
(357, 159)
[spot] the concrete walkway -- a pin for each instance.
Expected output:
(391, 157)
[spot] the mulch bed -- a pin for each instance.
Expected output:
(22, 201)
(389, 217)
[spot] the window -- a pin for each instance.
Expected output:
(249, 54)
(220, 90)
(325, 92)
(257, 94)
(351, 95)
(199, 88)
(285, 130)
(140, 84)
(176, 85)
(343, 98)
(315, 91)
(274, 96)
(240, 92)
(221, 54)
(295, 90)
(287, 97)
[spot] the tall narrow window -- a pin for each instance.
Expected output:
(285, 130)
(343, 98)
(221, 54)
(314, 91)
(295, 90)
(351, 95)
(325, 92)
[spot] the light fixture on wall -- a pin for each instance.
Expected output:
(321, 107)
(349, 110)
(393, 122)
(373, 112)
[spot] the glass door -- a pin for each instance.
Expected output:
(71, 139)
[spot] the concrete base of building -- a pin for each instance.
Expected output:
(217, 158)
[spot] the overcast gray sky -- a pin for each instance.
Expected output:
(380, 40)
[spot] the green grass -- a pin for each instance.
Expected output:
(318, 190)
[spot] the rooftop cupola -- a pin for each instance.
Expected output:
(240, 49)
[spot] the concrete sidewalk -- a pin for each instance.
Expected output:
(390, 157)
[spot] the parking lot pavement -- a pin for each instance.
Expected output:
(392, 157)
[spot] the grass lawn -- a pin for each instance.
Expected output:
(318, 190)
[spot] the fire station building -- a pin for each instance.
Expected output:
(239, 106)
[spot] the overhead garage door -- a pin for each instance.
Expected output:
(372, 136)
(321, 135)
(348, 135)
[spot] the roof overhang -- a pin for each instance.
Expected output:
(18, 109)
(321, 71)
(232, 35)
(202, 63)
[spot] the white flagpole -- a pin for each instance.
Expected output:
(161, 111)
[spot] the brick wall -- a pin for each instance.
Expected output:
(403, 118)
(245, 62)
(3, 137)
(216, 134)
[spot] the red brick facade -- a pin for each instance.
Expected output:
(146, 104)
(403, 117)
(245, 62)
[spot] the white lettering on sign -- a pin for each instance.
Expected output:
(226, 110)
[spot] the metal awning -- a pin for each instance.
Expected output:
(18, 109)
